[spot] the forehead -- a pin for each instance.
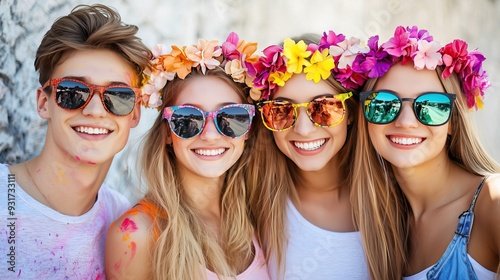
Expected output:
(298, 89)
(99, 67)
(208, 93)
(406, 80)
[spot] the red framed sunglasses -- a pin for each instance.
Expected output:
(72, 94)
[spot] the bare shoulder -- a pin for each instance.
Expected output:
(488, 208)
(489, 197)
(128, 246)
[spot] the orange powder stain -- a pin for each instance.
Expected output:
(133, 249)
(126, 237)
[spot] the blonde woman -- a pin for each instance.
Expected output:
(301, 192)
(194, 222)
(416, 138)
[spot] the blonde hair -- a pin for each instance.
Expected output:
(185, 247)
(274, 177)
(379, 190)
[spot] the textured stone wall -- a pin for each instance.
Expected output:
(23, 23)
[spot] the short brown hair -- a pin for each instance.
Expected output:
(90, 27)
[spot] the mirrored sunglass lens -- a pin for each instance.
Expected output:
(381, 107)
(433, 109)
(120, 101)
(277, 115)
(71, 95)
(326, 111)
(186, 122)
(233, 121)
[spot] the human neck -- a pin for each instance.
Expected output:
(68, 186)
(428, 186)
(321, 182)
(204, 193)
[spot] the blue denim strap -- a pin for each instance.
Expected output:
(455, 264)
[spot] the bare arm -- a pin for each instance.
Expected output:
(128, 253)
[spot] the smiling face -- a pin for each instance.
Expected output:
(89, 135)
(310, 147)
(209, 154)
(406, 142)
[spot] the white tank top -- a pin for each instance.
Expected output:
(315, 253)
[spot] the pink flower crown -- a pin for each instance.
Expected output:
(234, 56)
(411, 44)
(334, 54)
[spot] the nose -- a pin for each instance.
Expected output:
(210, 131)
(406, 117)
(303, 125)
(95, 107)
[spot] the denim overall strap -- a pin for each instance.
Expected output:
(455, 264)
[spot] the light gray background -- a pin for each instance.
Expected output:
(23, 23)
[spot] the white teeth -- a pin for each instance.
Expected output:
(212, 152)
(92, 130)
(309, 146)
(406, 141)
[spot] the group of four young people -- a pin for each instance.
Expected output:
(324, 158)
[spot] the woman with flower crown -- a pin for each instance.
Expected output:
(428, 153)
(301, 191)
(194, 221)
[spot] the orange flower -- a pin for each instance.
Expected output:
(177, 61)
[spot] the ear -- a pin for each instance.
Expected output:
(42, 103)
(136, 115)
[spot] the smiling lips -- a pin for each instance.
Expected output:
(91, 130)
(405, 140)
(210, 152)
(309, 146)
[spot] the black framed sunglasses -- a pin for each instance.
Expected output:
(384, 106)
(326, 111)
(72, 94)
(187, 121)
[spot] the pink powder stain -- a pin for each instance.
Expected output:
(117, 265)
(98, 277)
(128, 225)
(78, 158)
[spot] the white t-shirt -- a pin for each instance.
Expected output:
(38, 242)
(315, 253)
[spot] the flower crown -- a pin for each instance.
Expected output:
(234, 56)
(411, 44)
(334, 54)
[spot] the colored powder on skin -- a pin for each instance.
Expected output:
(128, 225)
(133, 249)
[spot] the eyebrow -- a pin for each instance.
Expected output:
(85, 79)
(219, 105)
(315, 97)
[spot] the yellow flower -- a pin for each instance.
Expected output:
(297, 55)
(321, 65)
(279, 78)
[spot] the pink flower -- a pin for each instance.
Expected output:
(400, 44)
(330, 39)
(427, 55)
(454, 57)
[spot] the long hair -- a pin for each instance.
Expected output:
(274, 176)
(185, 247)
(88, 28)
(378, 207)
(378, 190)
